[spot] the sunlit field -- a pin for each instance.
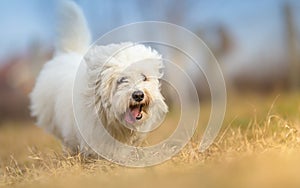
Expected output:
(258, 146)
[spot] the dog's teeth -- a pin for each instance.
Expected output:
(139, 117)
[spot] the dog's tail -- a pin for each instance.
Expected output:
(73, 32)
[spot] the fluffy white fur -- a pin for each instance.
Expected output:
(104, 85)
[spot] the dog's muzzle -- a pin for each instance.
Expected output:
(135, 110)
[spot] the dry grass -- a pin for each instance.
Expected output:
(258, 147)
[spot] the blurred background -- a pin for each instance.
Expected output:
(257, 43)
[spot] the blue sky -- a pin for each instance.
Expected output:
(256, 25)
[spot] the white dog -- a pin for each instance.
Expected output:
(118, 84)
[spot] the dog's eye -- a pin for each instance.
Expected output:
(122, 80)
(144, 77)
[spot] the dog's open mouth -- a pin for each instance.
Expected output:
(134, 113)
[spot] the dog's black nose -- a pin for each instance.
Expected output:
(138, 96)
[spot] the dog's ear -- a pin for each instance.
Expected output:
(97, 56)
(159, 66)
(93, 58)
(152, 67)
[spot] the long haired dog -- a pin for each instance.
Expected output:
(119, 85)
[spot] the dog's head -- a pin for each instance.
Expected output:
(128, 86)
(136, 98)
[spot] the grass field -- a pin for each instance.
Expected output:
(259, 146)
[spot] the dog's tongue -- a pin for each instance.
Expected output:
(132, 114)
